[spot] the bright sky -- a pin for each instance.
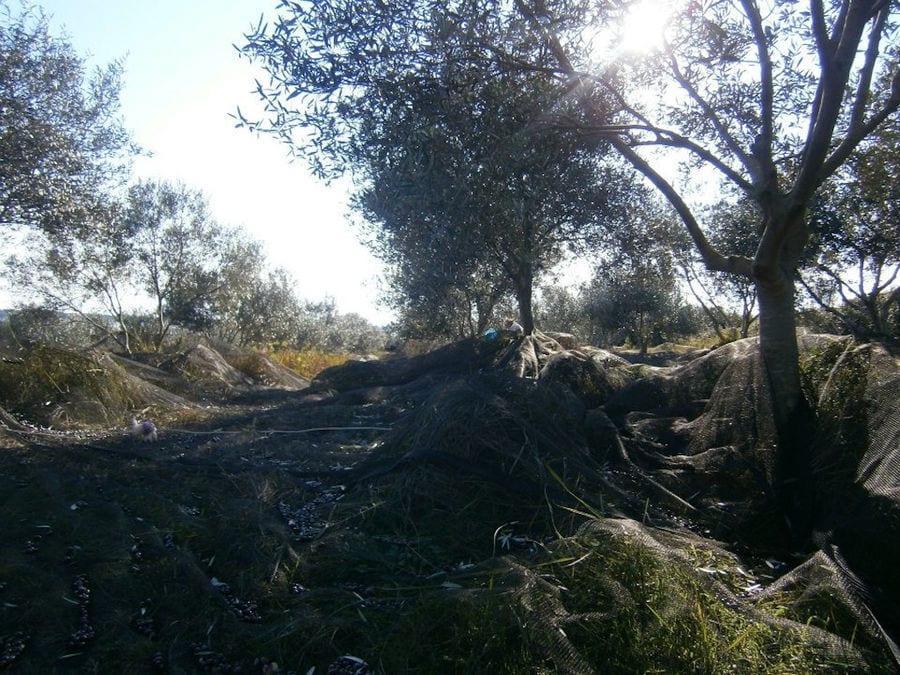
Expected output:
(182, 79)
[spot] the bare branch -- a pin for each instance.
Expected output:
(890, 281)
(708, 112)
(820, 29)
(762, 148)
(836, 66)
(868, 67)
(711, 257)
(858, 133)
(671, 139)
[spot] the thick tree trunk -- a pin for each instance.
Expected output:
(524, 284)
(793, 418)
(778, 343)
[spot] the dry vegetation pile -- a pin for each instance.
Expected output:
(514, 507)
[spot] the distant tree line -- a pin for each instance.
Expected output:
(136, 263)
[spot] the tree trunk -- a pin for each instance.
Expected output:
(794, 489)
(524, 283)
(643, 337)
(778, 343)
(125, 342)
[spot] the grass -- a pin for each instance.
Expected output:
(45, 383)
(416, 589)
(642, 611)
(308, 362)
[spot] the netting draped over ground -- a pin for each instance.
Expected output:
(691, 445)
(520, 505)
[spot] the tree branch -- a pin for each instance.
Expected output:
(718, 322)
(843, 318)
(836, 66)
(855, 135)
(708, 112)
(868, 67)
(820, 30)
(711, 257)
(663, 137)
(762, 147)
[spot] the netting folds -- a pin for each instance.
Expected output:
(863, 535)
(672, 473)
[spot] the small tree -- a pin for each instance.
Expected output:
(252, 304)
(272, 312)
(635, 285)
(434, 300)
(85, 272)
(178, 253)
(854, 271)
(635, 298)
(562, 310)
(323, 328)
(470, 201)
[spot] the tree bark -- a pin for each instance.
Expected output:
(524, 285)
(793, 417)
(643, 337)
(778, 343)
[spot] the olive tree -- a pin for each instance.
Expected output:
(439, 138)
(85, 273)
(773, 98)
(634, 292)
(64, 150)
(62, 141)
(770, 97)
(177, 253)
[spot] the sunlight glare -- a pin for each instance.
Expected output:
(642, 29)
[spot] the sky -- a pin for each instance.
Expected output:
(182, 78)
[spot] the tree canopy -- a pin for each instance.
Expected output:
(770, 97)
(461, 192)
(62, 139)
(471, 198)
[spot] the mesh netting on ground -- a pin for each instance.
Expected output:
(536, 507)
(692, 452)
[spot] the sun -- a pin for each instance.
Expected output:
(642, 30)
(638, 30)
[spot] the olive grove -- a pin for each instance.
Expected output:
(768, 98)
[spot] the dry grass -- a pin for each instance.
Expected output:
(307, 363)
